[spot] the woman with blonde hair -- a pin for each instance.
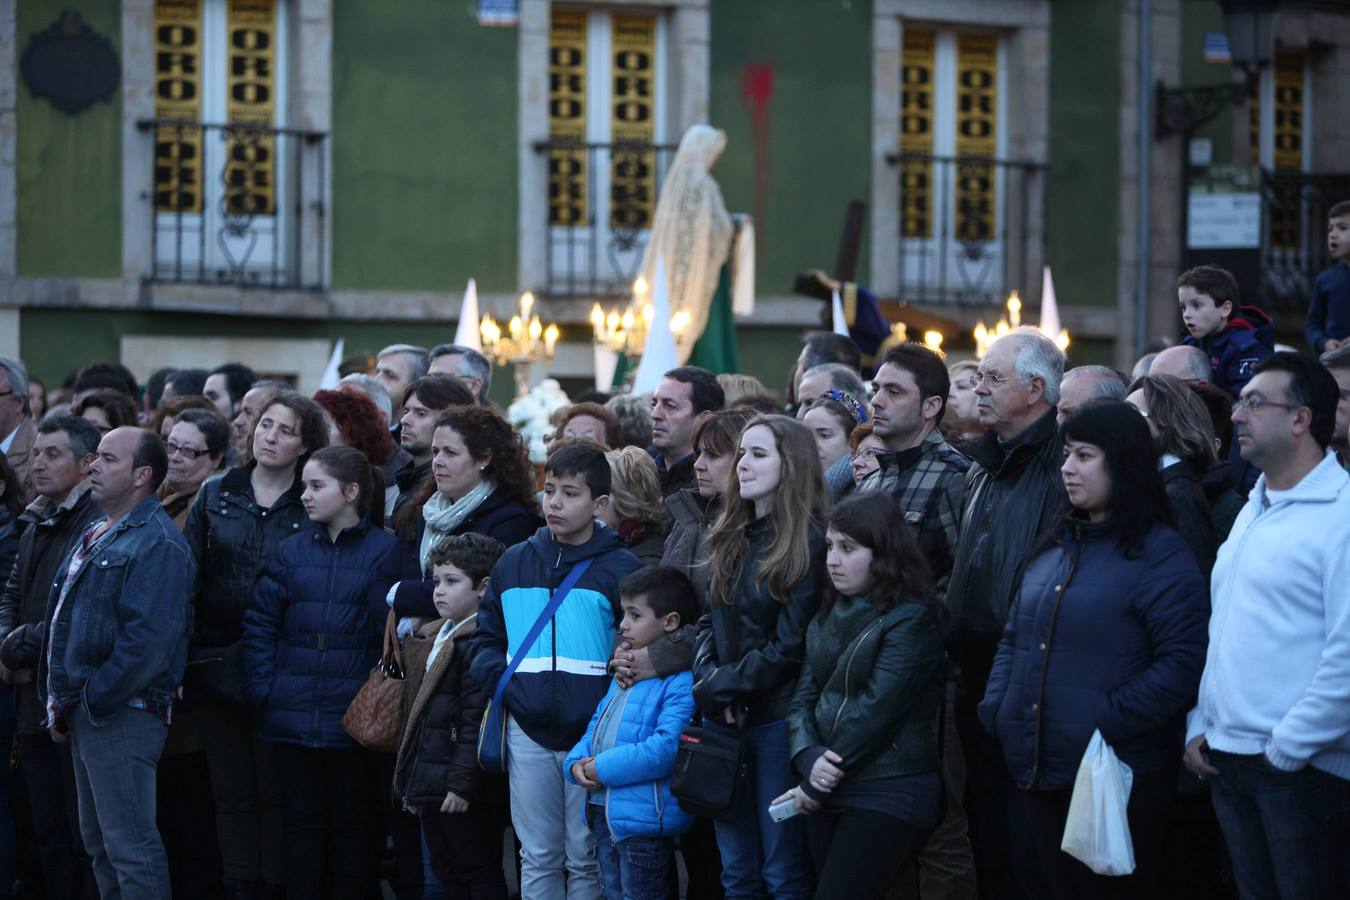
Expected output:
(735, 386)
(767, 553)
(634, 509)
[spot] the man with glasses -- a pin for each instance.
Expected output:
(1013, 493)
(1271, 727)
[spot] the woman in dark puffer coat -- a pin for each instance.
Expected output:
(1107, 632)
(309, 643)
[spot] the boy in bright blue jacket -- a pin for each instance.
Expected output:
(563, 673)
(627, 755)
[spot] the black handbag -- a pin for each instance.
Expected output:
(712, 769)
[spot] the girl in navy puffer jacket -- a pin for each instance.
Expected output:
(1107, 633)
(309, 642)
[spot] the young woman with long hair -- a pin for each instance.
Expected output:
(863, 723)
(309, 644)
(767, 559)
(234, 528)
(1107, 632)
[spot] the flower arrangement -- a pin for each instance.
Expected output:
(531, 416)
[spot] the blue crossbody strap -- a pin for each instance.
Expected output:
(554, 602)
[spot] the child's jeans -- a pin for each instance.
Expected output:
(636, 868)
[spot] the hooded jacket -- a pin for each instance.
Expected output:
(565, 673)
(309, 638)
(1098, 639)
(1014, 494)
(1235, 352)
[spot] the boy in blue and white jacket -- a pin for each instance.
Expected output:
(563, 674)
(627, 755)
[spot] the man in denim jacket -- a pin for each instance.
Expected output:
(114, 656)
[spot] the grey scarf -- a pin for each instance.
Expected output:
(443, 516)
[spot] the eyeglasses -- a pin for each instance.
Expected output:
(188, 452)
(1255, 403)
(868, 453)
(992, 380)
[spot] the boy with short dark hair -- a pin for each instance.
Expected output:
(627, 755)
(1236, 337)
(563, 674)
(1328, 325)
(436, 774)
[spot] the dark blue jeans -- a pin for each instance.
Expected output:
(761, 857)
(636, 868)
(115, 763)
(1279, 826)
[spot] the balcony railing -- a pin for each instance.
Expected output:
(601, 200)
(235, 204)
(971, 228)
(1294, 224)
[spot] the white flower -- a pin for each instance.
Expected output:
(530, 415)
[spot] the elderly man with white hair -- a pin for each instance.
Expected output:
(1013, 494)
(1190, 364)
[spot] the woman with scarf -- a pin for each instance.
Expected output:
(480, 481)
(832, 417)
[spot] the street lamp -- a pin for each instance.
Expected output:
(1251, 46)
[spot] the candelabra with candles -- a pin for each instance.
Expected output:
(626, 332)
(985, 336)
(526, 342)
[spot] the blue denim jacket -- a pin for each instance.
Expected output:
(121, 636)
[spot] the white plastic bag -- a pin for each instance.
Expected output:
(1097, 831)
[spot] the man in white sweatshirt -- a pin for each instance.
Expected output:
(1272, 726)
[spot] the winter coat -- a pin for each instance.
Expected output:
(751, 652)
(442, 711)
(566, 671)
(509, 521)
(646, 544)
(1235, 352)
(676, 476)
(50, 531)
(309, 637)
(232, 537)
(1224, 500)
(1098, 639)
(690, 515)
(635, 755)
(1190, 509)
(1014, 493)
(869, 690)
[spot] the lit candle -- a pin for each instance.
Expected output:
(515, 327)
(535, 329)
(526, 304)
(550, 339)
(598, 320)
(933, 340)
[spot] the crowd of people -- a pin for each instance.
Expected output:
(908, 598)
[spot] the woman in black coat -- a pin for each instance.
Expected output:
(480, 482)
(1107, 633)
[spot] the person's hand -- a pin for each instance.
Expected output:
(21, 676)
(825, 772)
(729, 714)
(804, 803)
(1333, 344)
(631, 666)
(1197, 758)
(454, 803)
(58, 734)
(583, 772)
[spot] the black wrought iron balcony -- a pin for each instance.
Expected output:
(972, 228)
(601, 202)
(237, 204)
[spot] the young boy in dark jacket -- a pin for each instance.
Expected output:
(436, 776)
(1235, 337)
(564, 672)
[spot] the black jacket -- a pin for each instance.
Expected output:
(1190, 509)
(869, 691)
(1014, 493)
(674, 476)
(442, 712)
(407, 479)
(751, 653)
(49, 534)
(232, 538)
